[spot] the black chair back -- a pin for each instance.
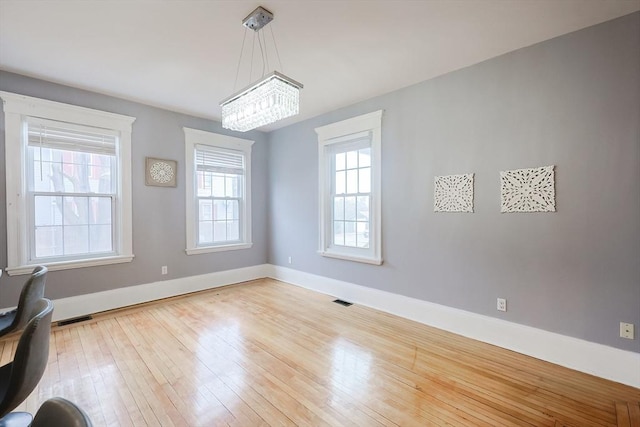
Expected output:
(59, 412)
(32, 292)
(21, 376)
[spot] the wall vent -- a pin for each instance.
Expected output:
(74, 320)
(341, 302)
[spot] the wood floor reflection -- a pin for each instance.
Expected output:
(265, 353)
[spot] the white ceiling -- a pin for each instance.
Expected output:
(183, 55)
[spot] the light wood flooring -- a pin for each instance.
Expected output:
(265, 353)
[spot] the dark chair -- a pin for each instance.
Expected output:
(59, 412)
(21, 376)
(55, 412)
(32, 292)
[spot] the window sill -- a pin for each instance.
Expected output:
(221, 248)
(66, 265)
(366, 260)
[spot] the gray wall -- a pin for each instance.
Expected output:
(158, 213)
(573, 102)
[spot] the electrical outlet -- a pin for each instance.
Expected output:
(502, 304)
(164, 269)
(626, 330)
(289, 260)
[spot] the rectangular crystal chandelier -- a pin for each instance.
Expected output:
(272, 98)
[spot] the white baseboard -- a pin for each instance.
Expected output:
(596, 359)
(82, 305)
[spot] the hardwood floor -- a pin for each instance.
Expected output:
(628, 414)
(265, 353)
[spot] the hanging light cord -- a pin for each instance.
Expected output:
(264, 54)
(235, 83)
(253, 48)
(276, 46)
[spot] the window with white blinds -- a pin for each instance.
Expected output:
(68, 137)
(350, 193)
(72, 177)
(74, 166)
(213, 159)
(218, 206)
(220, 177)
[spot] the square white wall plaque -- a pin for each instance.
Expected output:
(453, 193)
(528, 190)
(160, 172)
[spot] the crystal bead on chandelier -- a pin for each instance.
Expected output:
(274, 97)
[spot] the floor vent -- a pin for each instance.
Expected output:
(74, 320)
(341, 302)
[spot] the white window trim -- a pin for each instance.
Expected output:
(335, 133)
(16, 109)
(193, 137)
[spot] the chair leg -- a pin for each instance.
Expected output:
(16, 419)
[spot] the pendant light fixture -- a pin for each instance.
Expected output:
(274, 97)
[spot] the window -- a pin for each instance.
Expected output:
(350, 202)
(219, 192)
(69, 185)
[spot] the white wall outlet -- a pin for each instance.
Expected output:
(289, 260)
(626, 330)
(164, 269)
(502, 304)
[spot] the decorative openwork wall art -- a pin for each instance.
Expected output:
(528, 190)
(160, 172)
(453, 193)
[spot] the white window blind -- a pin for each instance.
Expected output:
(66, 136)
(218, 160)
